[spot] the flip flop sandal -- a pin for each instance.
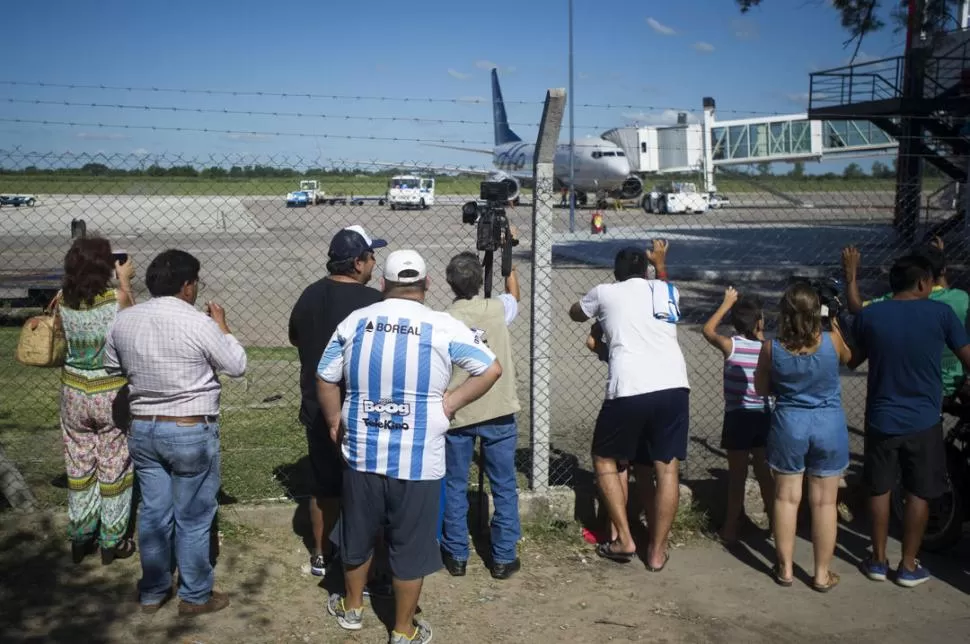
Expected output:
(605, 550)
(662, 566)
(833, 581)
(781, 581)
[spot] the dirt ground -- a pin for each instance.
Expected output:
(564, 593)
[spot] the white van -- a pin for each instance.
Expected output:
(410, 191)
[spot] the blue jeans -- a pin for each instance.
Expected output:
(178, 469)
(499, 438)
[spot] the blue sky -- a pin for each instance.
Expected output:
(645, 60)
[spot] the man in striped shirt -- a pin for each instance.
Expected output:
(396, 359)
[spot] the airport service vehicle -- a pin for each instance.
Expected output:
(314, 191)
(676, 197)
(17, 200)
(298, 198)
(410, 191)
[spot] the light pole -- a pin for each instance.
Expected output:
(572, 142)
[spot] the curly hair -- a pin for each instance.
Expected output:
(88, 267)
(800, 317)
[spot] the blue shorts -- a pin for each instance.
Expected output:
(810, 441)
(644, 429)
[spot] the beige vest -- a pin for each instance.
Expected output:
(501, 400)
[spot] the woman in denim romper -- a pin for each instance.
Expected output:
(808, 430)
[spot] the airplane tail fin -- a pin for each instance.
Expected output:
(503, 133)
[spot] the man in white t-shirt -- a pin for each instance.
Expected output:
(396, 359)
(645, 416)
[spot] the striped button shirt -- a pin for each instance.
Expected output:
(739, 392)
(396, 358)
(171, 352)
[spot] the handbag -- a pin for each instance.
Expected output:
(42, 342)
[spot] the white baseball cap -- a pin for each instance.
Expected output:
(405, 267)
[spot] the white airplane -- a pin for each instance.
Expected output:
(600, 167)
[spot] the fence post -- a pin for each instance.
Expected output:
(542, 235)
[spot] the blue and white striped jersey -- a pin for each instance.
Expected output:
(396, 358)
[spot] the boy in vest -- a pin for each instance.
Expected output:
(491, 418)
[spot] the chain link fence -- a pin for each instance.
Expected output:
(258, 254)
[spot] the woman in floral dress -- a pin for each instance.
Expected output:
(99, 468)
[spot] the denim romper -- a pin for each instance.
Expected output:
(808, 428)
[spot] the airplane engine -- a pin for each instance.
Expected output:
(632, 187)
(511, 183)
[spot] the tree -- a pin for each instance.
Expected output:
(853, 171)
(881, 171)
(861, 17)
(764, 169)
(798, 170)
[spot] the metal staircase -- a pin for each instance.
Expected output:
(874, 91)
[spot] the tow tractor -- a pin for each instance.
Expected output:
(676, 197)
(410, 191)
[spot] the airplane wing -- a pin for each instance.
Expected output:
(458, 147)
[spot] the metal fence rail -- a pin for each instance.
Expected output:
(258, 254)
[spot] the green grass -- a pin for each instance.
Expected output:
(262, 442)
(188, 186)
(372, 186)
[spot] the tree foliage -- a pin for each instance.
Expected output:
(861, 17)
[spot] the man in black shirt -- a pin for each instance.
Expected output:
(321, 307)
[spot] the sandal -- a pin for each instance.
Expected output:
(81, 549)
(662, 566)
(606, 551)
(122, 550)
(833, 581)
(781, 581)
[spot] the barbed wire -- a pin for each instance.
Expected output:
(173, 128)
(350, 97)
(276, 113)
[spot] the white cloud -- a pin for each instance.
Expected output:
(457, 74)
(745, 29)
(246, 136)
(664, 117)
(660, 28)
(584, 76)
(102, 136)
(141, 152)
(703, 47)
(802, 98)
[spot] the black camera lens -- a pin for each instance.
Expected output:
(469, 213)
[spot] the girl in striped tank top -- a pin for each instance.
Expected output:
(747, 416)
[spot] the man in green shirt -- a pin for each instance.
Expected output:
(957, 299)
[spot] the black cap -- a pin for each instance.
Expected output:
(351, 243)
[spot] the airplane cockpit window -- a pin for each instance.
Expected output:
(609, 154)
(621, 154)
(597, 154)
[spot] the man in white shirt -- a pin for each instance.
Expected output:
(396, 359)
(170, 352)
(645, 416)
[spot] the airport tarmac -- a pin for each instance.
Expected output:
(258, 262)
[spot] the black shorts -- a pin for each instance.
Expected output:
(645, 428)
(407, 512)
(745, 429)
(326, 462)
(920, 457)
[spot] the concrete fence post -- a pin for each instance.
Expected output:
(542, 313)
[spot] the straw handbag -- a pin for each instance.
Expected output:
(42, 342)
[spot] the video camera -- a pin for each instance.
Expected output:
(830, 295)
(493, 232)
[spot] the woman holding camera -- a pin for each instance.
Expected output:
(99, 469)
(808, 429)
